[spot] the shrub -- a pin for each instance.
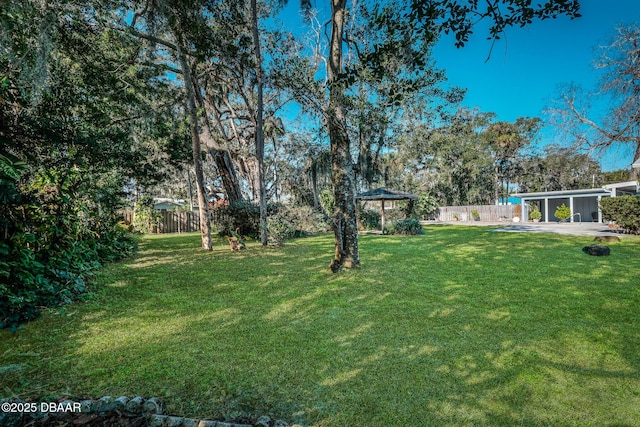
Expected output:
(305, 220)
(327, 201)
(294, 221)
(406, 226)
(368, 219)
(475, 214)
(410, 210)
(535, 214)
(426, 205)
(624, 210)
(243, 216)
(563, 213)
(55, 233)
(31, 279)
(145, 217)
(279, 229)
(392, 215)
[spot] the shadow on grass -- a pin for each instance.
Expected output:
(454, 327)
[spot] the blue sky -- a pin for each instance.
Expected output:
(528, 64)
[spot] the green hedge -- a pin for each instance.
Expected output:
(624, 211)
(409, 226)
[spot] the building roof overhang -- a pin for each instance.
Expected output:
(563, 194)
(629, 187)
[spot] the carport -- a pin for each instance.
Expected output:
(584, 204)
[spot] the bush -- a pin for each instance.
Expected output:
(294, 221)
(145, 217)
(30, 279)
(305, 220)
(245, 217)
(242, 216)
(368, 219)
(279, 229)
(406, 226)
(427, 205)
(563, 213)
(624, 211)
(55, 233)
(535, 214)
(327, 201)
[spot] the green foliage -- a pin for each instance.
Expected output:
(283, 222)
(410, 210)
(409, 226)
(279, 229)
(294, 221)
(74, 102)
(475, 214)
(624, 211)
(457, 157)
(327, 201)
(563, 212)
(535, 214)
(145, 217)
(243, 217)
(612, 177)
(369, 219)
(50, 249)
(304, 219)
(558, 168)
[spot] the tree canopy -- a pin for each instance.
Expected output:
(102, 101)
(619, 62)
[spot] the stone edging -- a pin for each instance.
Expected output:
(137, 406)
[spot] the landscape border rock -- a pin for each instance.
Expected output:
(136, 411)
(607, 239)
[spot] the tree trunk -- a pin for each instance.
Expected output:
(345, 225)
(314, 185)
(205, 225)
(262, 195)
(227, 172)
(220, 155)
(496, 184)
(636, 156)
(190, 191)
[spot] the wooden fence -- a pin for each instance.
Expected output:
(186, 222)
(485, 212)
(172, 222)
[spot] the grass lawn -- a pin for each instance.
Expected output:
(459, 326)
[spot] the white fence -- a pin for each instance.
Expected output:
(484, 213)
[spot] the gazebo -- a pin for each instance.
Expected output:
(383, 194)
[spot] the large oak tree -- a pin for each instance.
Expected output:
(406, 26)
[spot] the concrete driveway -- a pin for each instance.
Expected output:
(577, 229)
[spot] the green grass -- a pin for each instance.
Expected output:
(459, 326)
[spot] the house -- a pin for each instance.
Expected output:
(166, 204)
(584, 204)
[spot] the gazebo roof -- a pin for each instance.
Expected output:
(385, 194)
